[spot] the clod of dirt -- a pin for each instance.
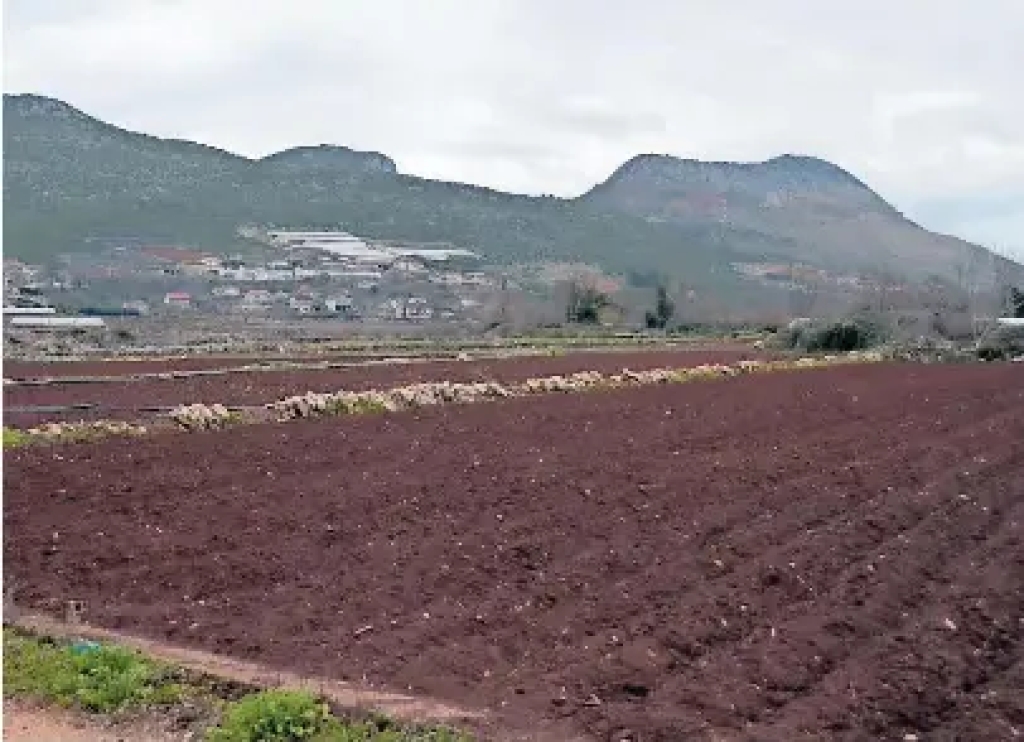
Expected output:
(635, 690)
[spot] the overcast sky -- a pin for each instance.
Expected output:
(920, 98)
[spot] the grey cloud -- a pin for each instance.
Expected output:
(917, 97)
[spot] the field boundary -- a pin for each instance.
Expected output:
(346, 695)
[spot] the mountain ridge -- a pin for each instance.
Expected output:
(70, 177)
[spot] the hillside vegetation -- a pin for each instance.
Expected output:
(72, 182)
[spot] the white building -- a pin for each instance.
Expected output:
(258, 297)
(28, 311)
(417, 307)
(57, 323)
(338, 304)
(348, 245)
(336, 243)
(302, 306)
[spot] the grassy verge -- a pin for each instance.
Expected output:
(94, 678)
(14, 438)
(105, 679)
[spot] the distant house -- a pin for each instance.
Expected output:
(408, 265)
(415, 307)
(178, 299)
(258, 298)
(338, 304)
(302, 305)
(57, 323)
(29, 311)
(418, 308)
(135, 307)
(199, 268)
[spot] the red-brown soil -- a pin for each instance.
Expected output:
(129, 399)
(19, 369)
(833, 554)
(15, 369)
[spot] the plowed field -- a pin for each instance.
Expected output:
(130, 398)
(20, 369)
(16, 369)
(833, 554)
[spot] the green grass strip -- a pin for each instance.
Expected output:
(107, 679)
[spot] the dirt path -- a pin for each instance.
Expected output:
(26, 723)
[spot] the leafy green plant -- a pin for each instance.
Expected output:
(96, 678)
(298, 716)
(273, 716)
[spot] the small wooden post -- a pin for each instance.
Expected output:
(73, 611)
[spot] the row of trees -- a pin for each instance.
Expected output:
(586, 303)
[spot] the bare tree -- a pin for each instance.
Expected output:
(585, 303)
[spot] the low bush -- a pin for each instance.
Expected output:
(1001, 342)
(273, 716)
(856, 333)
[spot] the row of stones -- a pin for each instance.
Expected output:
(343, 402)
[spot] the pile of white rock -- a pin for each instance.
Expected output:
(202, 417)
(84, 430)
(411, 396)
(404, 397)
